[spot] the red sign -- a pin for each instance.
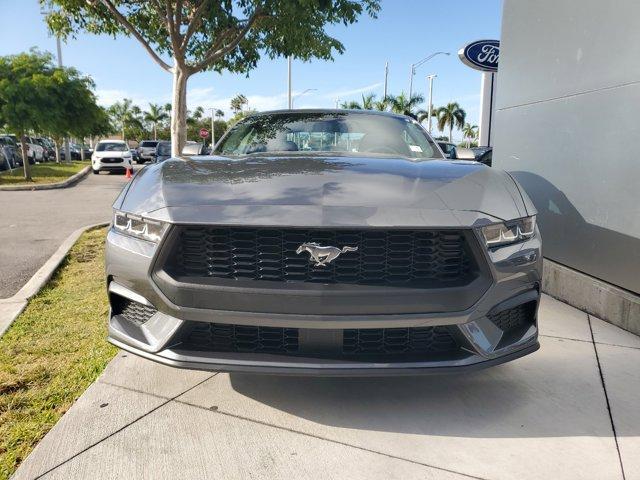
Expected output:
(204, 133)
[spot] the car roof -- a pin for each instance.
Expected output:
(110, 141)
(329, 111)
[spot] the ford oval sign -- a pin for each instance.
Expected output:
(481, 55)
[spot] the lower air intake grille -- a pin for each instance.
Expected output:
(378, 343)
(388, 341)
(219, 337)
(514, 318)
(134, 312)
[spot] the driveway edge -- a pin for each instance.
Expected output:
(50, 186)
(13, 306)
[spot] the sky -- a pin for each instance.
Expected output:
(405, 32)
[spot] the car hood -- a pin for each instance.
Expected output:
(303, 188)
(110, 154)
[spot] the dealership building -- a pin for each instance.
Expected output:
(566, 124)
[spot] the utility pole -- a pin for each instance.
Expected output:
(430, 78)
(386, 78)
(337, 101)
(289, 83)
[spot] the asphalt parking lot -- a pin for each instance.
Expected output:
(34, 224)
(545, 416)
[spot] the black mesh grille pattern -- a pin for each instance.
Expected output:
(514, 318)
(419, 341)
(218, 337)
(416, 340)
(133, 311)
(412, 258)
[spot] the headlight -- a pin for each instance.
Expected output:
(499, 234)
(139, 227)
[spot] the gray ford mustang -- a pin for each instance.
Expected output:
(326, 242)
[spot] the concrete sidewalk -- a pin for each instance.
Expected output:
(545, 416)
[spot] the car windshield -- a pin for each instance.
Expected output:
(311, 132)
(111, 147)
(148, 143)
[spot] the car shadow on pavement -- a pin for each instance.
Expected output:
(542, 396)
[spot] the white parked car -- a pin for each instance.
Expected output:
(34, 151)
(110, 156)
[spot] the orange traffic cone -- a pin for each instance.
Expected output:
(128, 174)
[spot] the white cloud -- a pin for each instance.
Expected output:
(107, 97)
(347, 93)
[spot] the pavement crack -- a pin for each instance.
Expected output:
(590, 341)
(89, 447)
(331, 440)
(606, 397)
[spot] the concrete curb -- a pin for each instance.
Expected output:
(50, 186)
(13, 306)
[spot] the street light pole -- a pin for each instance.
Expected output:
(412, 71)
(386, 77)
(289, 83)
(213, 131)
(430, 77)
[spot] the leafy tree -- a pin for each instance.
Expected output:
(219, 113)
(381, 105)
(155, 115)
(470, 133)
(219, 35)
(127, 118)
(369, 101)
(238, 103)
(451, 115)
(403, 105)
(37, 96)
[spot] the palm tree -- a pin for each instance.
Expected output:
(451, 115)
(238, 102)
(155, 115)
(368, 101)
(122, 113)
(403, 105)
(219, 113)
(422, 115)
(470, 132)
(351, 105)
(381, 105)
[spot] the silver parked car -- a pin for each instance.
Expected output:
(327, 242)
(147, 151)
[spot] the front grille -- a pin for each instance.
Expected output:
(134, 312)
(416, 340)
(219, 337)
(414, 343)
(111, 160)
(413, 258)
(514, 318)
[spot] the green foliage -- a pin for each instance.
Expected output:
(37, 96)
(155, 115)
(53, 351)
(451, 115)
(215, 34)
(403, 105)
(238, 103)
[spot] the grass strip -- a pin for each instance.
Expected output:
(53, 351)
(42, 173)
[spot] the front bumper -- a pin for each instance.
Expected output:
(515, 272)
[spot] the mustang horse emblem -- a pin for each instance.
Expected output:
(322, 256)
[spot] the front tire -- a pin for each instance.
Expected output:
(95, 172)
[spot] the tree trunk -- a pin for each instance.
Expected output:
(155, 133)
(450, 132)
(82, 149)
(179, 111)
(56, 145)
(25, 158)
